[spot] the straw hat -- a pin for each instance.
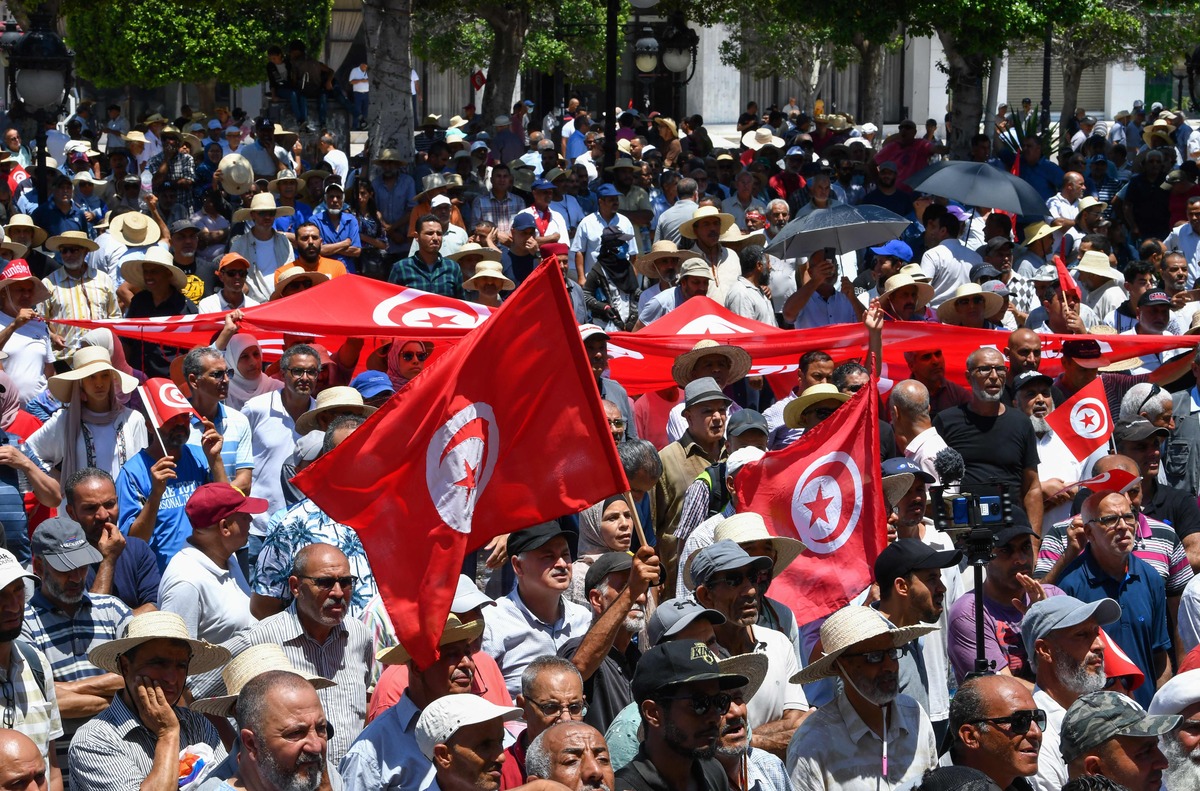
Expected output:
(25, 221)
(992, 302)
(739, 361)
(245, 667)
(915, 272)
(342, 399)
(813, 395)
(285, 137)
(760, 138)
(69, 238)
(431, 185)
(288, 274)
(1160, 129)
(86, 361)
(734, 239)
(11, 249)
(454, 632)
(1088, 202)
(134, 229)
(135, 136)
(471, 248)
(1037, 230)
(1096, 263)
(901, 280)
(492, 269)
(1120, 365)
(391, 155)
(686, 227)
(848, 627)
(752, 666)
(195, 145)
(132, 267)
(284, 175)
(263, 201)
(17, 271)
(237, 175)
(85, 177)
(669, 124)
(455, 122)
(643, 264)
(748, 526)
(157, 625)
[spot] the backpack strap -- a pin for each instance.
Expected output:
(30, 654)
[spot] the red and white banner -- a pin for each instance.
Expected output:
(1083, 422)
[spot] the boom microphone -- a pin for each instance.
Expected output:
(950, 468)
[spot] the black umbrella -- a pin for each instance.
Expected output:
(979, 184)
(843, 227)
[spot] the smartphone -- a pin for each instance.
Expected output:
(830, 253)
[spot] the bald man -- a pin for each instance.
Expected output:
(22, 767)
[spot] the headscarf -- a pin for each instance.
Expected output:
(78, 414)
(591, 539)
(242, 389)
(393, 361)
(10, 401)
(104, 338)
(614, 262)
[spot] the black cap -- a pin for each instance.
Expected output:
(1028, 377)
(1136, 429)
(1004, 535)
(1155, 296)
(533, 537)
(603, 566)
(985, 271)
(262, 122)
(906, 555)
(679, 662)
(184, 224)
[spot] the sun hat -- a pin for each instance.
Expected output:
(157, 625)
(25, 221)
(1095, 262)
(341, 398)
(748, 526)
(752, 666)
(735, 239)
(263, 201)
(492, 269)
(668, 123)
(813, 394)
(284, 175)
(133, 266)
(133, 229)
(703, 389)
(17, 270)
(467, 596)
(86, 361)
(71, 238)
(760, 138)
(992, 302)
(431, 185)
(849, 627)
(1088, 202)
(10, 249)
(244, 668)
(471, 248)
(134, 136)
(444, 717)
(1036, 231)
(739, 361)
(291, 273)
(687, 227)
(212, 502)
(454, 632)
(901, 280)
(915, 272)
(237, 176)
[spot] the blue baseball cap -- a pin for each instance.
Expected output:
(542, 184)
(372, 383)
(895, 249)
(901, 465)
(523, 222)
(607, 191)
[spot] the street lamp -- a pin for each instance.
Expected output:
(39, 76)
(1179, 70)
(679, 45)
(645, 58)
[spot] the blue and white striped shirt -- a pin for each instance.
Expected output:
(66, 639)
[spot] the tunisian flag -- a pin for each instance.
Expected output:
(824, 489)
(1083, 422)
(504, 431)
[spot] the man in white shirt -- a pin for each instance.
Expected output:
(360, 86)
(23, 336)
(916, 437)
(1063, 207)
(336, 159)
(1186, 239)
(947, 261)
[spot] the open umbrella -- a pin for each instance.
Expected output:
(979, 184)
(843, 227)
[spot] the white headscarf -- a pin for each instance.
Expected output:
(242, 389)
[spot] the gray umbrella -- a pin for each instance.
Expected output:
(843, 227)
(979, 184)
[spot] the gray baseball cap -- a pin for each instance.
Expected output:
(672, 617)
(745, 420)
(723, 556)
(1047, 273)
(1063, 612)
(61, 543)
(1099, 716)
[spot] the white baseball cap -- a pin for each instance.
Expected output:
(467, 596)
(11, 569)
(442, 719)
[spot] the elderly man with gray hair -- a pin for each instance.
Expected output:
(572, 753)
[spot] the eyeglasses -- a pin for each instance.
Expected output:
(10, 703)
(877, 657)
(577, 709)
(962, 302)
(236, 272)
(301, 373)
(735, 579)
(1110, 522)
(703, 704)
(327, 583)
(1154, 390)
(1018, 722)
(408, 357)
(219, 375)
(988, 370)
(616, 422)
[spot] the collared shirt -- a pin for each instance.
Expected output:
(65, 639)
(924, 448)
(1187, 242)
(765, 772)
(344, 228)
(260, 159)
(1052, 770)
(1059, 208)
(514, 636)
(748, 300)
(290, 531)
(92, 295)
(273, 438)
(834, 749)
(1154, 542)
(386, 756)
(608, 689)
(395, 200)
(588, 235)
(822, 311)
(214, 602)
(237, 452)
(498, 211)
(660, 304)
(115, 751)
(443, 277)
(181, 167)
(346, 657)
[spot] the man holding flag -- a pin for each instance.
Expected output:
(1082, 360)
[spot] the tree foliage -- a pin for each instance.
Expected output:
(148, 43)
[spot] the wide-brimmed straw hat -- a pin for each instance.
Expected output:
(237, 175)
(25, 221)
(133, 267)
(17, 271)
(245, 667)
(10, 249)
(643, 264)
(760, 138)
(814, 394)
(284, 175)
(342, 399)
(433, 184)
(1036, 231)
(69, 238)
(849, 627)
(901, 280)
(454, 632)
(86, 361)
(157, 625)
(748, 526)
(736, 239)
(1112, 367)
(739, 361)
(134, 229)
(292, 273)
(263, 201)
(492, 269)
(686, 228)
(471, 248)
(992, 302)
(752, 666)
(1096, 263)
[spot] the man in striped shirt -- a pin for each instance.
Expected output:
(77, 291)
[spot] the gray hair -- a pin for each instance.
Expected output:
(529, 676)
(299, 349)
(639, 455)
(537, 758)
(337, 424)
(193, 364)
(1138, 399)
(967, 705)
(780, 202)
(687, 188)
(1091, 506)
(252, 700)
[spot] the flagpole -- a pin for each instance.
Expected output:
(153, 417)
(651, 602)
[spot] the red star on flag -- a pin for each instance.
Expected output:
(820, 504)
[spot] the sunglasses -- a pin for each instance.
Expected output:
(735, 579)
(703, 704)
(877, 657)
(327, 583)
(1110, 522)
(962, 302)
(1018, 722)
(408, 357)
(1154, 390)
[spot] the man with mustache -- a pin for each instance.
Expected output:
(1107, 734)
(1181, 747)
(762, 770)
(571, 753)
(1066, 651)
(997, 729)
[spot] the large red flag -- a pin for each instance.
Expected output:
(825, 490)
(1083, 422)
(504, 431)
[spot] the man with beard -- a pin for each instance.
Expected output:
(1024, 353)
(1109, 735)
(870, 732)
(727, 580)
(463, 737)
(185, 241)
(745, 766)
(911, 592)
(1181, 747)
(661, 267)
(283, 734)
(340, 239)
(1065, 650)
(571, 753)
(682, 694)
(996, 442)
(997, 730)
(1173, 269)
(310, 249)
(616, 587)
(703, 444)
(207, 376)
(320, 640)
(887, 192)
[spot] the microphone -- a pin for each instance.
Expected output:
(950, 469)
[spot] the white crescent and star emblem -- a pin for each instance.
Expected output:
(430, 316)
(1089, 418)
(459, 463)
(827, 502)
(170, 395)
(712, 325)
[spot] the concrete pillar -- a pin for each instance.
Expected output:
(716, 89)
(1123, 83)
(926, 86)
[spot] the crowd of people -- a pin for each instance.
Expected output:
(175, 613)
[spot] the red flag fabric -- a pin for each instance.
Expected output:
(16, 178)
(824, 489)
(1083, 422)
(1115, 480)
(164, 400)
(1065, 281)
(504, 431)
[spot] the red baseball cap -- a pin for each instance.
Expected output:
(213, 502)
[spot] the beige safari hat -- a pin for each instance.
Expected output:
(344, 399)
(244, 668)
(687, 227)
(25, 221)
(86, 361)
(847, 628)
(134, 229)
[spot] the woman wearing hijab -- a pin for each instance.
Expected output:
(95, 429)
(406, 360)
(612, 287)
(605, 527)
(243, 355)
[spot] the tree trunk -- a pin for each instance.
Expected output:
(390, 122)
(1072, 75)
(965, 84)
(509, 28)
(993, 93)
(207, 90)
(870, 81)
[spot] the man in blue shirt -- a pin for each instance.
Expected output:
(60, 214)
(340, 239)
(1107, 568)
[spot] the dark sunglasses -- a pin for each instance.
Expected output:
(735, 579)
(703, 704)
(1017, 722)
(1154, 390)
(327, 583)
(877, 657)
(408, 357)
